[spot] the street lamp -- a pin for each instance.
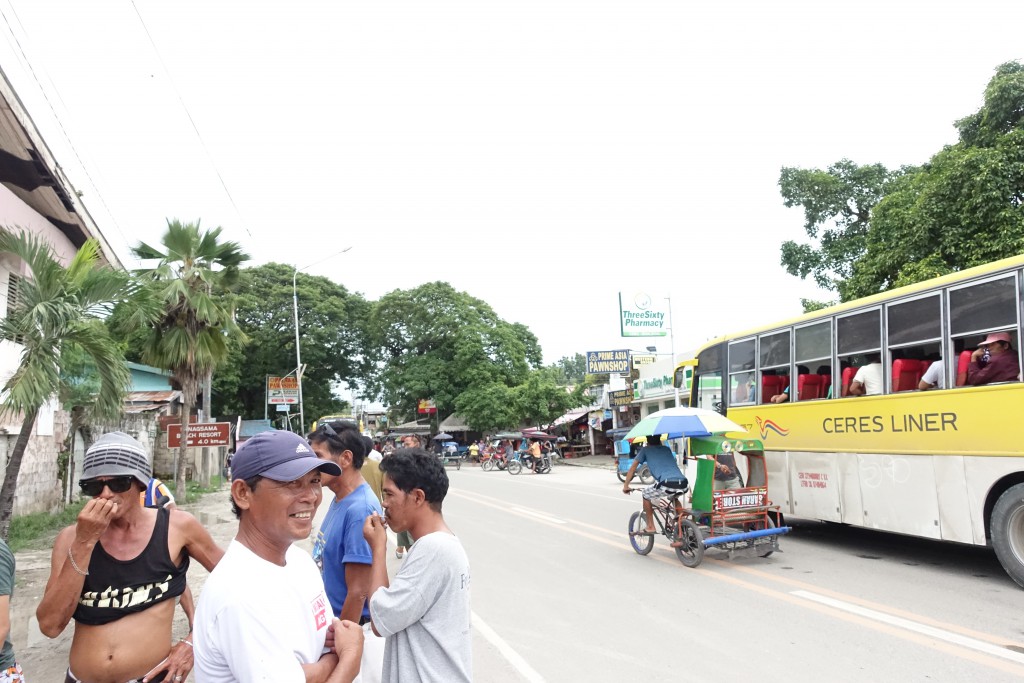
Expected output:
(295, 314)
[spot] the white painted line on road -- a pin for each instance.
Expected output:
(513, 657)
(930, 631)
(539, 515)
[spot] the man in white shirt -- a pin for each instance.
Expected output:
(263, 614)
(933, 377)
(868, 380)
(424, 614)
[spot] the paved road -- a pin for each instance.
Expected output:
(558, 595)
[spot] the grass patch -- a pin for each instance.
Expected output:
(36, 531)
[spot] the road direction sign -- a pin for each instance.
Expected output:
(200, 434)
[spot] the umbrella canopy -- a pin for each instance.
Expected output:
(537, 434)
(443, 436)
(678, 422)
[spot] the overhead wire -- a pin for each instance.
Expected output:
(191, 120)
(43, 91)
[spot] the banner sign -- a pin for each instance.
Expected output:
(426, 405)
(200, 434)
(281, 390)
(601, 362)
(643, 359)
(642, 316)
(620, 398)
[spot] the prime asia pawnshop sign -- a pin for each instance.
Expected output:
(200, 434)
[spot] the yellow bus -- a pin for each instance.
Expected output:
(850, 434)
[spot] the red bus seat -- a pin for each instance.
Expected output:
(770, 386)
(810, 387)
(962, 363)
(906, 374)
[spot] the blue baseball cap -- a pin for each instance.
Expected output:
(278, 455)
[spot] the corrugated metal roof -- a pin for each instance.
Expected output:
(454, 423)
(152, 396)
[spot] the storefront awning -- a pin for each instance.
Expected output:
(571, 416)
(453, 423)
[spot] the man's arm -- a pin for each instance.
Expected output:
(197, 540)
(341, 665)
(856, 388)
(629, 476)
(69, 563)
(377, 536)
(357, 580)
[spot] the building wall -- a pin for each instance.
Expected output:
(15, 214)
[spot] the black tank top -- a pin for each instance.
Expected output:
(115, 587)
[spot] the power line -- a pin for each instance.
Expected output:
(181, 100)
(57, 118)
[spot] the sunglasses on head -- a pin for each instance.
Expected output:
(94, 487)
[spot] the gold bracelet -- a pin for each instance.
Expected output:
(74, 565)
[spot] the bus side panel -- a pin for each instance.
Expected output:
(777, 465)
(850, 495)
(815, 485)
(954, 504)
(899, 494)
(982, 473)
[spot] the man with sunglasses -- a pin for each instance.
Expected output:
(339, 549)
(118, 570)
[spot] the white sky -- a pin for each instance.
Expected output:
(540, 155)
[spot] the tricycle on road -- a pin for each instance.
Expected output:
(738, 521)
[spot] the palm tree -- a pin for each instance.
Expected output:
(189, 336)
(53, 309)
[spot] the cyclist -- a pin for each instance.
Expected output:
(669, 479)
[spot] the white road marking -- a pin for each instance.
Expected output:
(930, 631)
(513, 657)
(539, 515)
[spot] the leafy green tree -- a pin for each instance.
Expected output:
(837, 205)
(965, 207)
(53, 310)
(571, 370)
(189, 333)
(331, 326)
(435, 342)
(541, 399)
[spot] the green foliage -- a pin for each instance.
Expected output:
(56, 318)
(435, 342)
(186, 308)
(837, 207)
(38, 530)
(331, 321)
(814, 305)
(571, 370)
(965, 207)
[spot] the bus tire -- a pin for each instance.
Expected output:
(1008, 532)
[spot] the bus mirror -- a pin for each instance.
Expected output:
(677, 378)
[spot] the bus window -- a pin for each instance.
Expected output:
(914, 336)
(859, 343)
(975, 311)
(774, 357)
(741, 372)
(813, 349)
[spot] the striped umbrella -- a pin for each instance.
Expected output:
(673, 423)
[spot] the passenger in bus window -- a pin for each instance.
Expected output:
(933, 377)
(993, 361)
(868, 380)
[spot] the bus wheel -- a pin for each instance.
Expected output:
(1008, 532)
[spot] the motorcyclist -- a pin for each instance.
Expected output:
(533, 455)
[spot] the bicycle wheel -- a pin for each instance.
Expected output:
(642, 542)
(487, 465)
(688, 543)
(514, 467)
(622, 476)
(645, 476)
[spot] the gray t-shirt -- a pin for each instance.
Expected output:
(424, 614)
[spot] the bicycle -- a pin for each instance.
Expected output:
(672, 523)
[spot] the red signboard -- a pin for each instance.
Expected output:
(200, 434)
(165, 420)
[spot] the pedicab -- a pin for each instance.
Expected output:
(736, 521)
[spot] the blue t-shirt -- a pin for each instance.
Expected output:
(340, 541)
(661, 461)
